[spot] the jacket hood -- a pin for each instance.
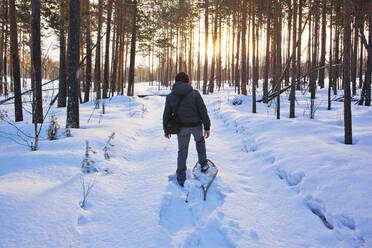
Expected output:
(181, 88)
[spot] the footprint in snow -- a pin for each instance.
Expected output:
(291, 179)
(213, 234)
(317, 208)
(82, 220)
(176, 215)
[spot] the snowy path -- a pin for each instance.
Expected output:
(255, 201)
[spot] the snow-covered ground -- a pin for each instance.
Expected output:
(281, 183)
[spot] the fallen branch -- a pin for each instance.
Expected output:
(275, 94)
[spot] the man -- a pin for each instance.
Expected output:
(193, 115)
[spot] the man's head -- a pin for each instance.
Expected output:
(182, 77)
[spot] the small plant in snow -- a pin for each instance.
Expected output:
(96, 104)
(53, 128)
(237, 101)
(106, 148)
(87, 163)
(68, 132)
(144, 109)
(87, 188)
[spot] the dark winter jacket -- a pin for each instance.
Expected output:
(191, 111)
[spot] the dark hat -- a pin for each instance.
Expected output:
(182, 77)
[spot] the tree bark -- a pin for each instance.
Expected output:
(213, 65)
(2, 38)
(243, 51)
(330, 70)
(368, 74)
(300, 5)
(267, 57)
(346, 78)
(323, 39)
(73, 54)
(62, 90)
(115, 63)
(15, 60)
(36, 64)
(314, 61)
(205, 76)
(354, 57)
(97, 65)
(107, 52)
(254, 54)
(130, 91)
(237, 72)
(361, 57)
(88, 77)
(292, 96)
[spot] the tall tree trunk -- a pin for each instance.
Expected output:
(368, 75)
(132, 52)
(330, 70)
(292, 96)
(191, 38)
(73, 54)
(278, 54)
(289, 30)
(313, 76)
(361, 58)
(62, 90)
(2, 38)
(97, 64)
(205, 77)
(115, 55)
(237, 72)
(267, 57)
(233, 49)
(324, 37)
(244, 53)
(354, 58)
(198, 69)
(337, 60)
(107, 52)
(219, 58)
(214, 39)
(254, 54)
(15, 60)
(88, 77)
(36, 64)
(300, 6)
(5, 74)
(346, 67)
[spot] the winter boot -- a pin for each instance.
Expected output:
(204, 168)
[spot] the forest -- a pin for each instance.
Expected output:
(290, 45)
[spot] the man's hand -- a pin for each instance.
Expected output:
(206, 134)
(167, 135)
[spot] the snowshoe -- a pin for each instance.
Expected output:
(206, 178)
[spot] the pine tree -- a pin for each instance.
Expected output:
(36, 63)
(15, 59)
(62, 90)
(73, 54)
(346, 70)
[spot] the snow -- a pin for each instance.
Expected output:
(281, 183)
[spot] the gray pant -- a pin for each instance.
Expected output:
(183, 138)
